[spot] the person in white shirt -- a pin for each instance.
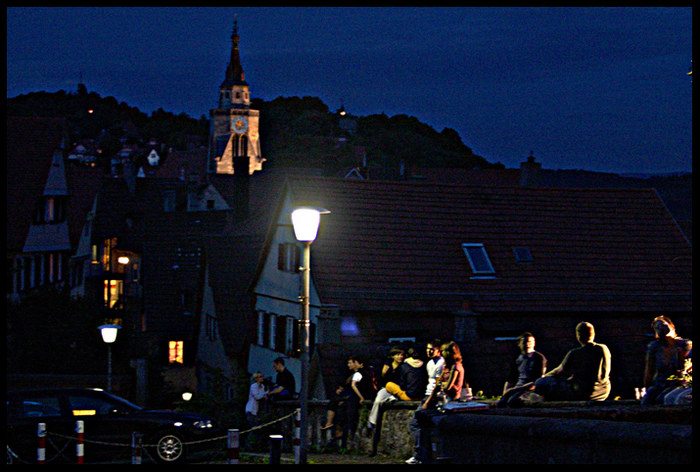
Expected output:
(434, 365)
(256, 393)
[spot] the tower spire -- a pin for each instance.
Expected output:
(234, 72)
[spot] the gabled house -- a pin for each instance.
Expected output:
(231, 330)
(47, 202)
(477, 264)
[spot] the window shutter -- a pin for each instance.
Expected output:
(280, 257)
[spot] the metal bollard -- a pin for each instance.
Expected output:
(79, 448)
(275, 448)
(136, 447)
(233, 446)
(41, 450)
(297, 437)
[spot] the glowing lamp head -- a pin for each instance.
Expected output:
(306, 221)
(109, 332)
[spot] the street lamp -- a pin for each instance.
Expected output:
(109, 335)
(305, 221)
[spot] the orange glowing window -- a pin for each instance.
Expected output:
(113, 291)
(175, 352)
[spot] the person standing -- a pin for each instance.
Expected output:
(285, 385)
(344, 407)
(256, 393)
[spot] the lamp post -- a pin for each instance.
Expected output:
(305, 221)
(109, 335)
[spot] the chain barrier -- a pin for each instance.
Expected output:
(12, 457)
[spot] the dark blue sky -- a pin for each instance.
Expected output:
(602, 89)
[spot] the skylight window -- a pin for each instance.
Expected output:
(522, 254)
(478, 259)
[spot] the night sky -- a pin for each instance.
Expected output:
(601, 89)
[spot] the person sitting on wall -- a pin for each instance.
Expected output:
(390, 373)
(668, 362)
(584, 374)
(448, 387)
(412, 380)
(529, 366)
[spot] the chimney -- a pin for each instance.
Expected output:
(129, 174)
(530, 172)
(241, 183)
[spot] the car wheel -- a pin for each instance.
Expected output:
(170, 448)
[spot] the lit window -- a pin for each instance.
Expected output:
(113, 291)
(175, 352)
(478, 259)
(49, 214)
(108, 248)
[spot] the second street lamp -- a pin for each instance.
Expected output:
(305, 221)
(109, 335)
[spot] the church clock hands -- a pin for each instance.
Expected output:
(239, 125)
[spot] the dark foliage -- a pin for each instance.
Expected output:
(295, 132)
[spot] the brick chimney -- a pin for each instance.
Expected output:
(530, 172)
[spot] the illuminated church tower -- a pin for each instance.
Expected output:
(233, 124)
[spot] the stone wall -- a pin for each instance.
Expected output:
(554, 432)
(396, 438)
(498, 439)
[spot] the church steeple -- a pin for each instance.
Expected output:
(234, 139)
(234, 71)
(234, 91)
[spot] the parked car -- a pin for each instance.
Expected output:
(109, 421)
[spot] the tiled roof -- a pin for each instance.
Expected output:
(231, 262)
(31, 143)
(496, 177)
(182, 165)
(398, 246)
(84, 183)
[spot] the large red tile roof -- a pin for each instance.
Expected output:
(399, 246)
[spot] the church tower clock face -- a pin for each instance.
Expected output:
(239, 125)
